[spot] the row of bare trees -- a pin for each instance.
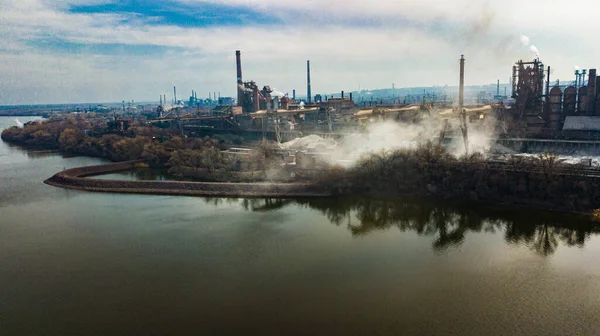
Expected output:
(430, 170)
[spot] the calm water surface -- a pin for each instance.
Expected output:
(80, 263)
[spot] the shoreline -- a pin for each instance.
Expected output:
(79, 179)
(76, 179)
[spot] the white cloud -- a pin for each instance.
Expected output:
(413, 43)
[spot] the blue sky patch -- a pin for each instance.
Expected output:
(59, 45)
(173, 13)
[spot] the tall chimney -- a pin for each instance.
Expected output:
(294, 94)
(461, 88)
(498, 89)
(598, 95)
(591, 105)
(240, 83)
(174, 95)
(160, 100)
(342, 94)
(308, 94)
(350, 95)
(548, 85)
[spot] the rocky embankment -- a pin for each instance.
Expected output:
(77, 179)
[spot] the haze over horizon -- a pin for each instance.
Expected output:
(102, 51)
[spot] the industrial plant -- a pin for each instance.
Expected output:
(540, 114)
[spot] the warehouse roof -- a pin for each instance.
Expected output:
(581, 123)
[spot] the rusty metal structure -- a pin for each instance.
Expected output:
(528, 87)
(537, 111)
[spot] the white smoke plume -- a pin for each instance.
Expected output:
(535, 51)
(276, 93)
(577, 67)
(18, 122)
(525, 40)
(392, 135)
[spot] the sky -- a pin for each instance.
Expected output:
(76, 51)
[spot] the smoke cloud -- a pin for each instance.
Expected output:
(393, 135)
(18, 122)
(535, 51)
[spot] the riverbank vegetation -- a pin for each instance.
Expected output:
(158, 147)
(429, 170)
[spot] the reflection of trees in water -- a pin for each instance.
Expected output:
(544, 238)
(449, 224)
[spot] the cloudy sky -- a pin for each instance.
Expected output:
(73, 51)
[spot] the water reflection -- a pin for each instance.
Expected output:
(447, 223)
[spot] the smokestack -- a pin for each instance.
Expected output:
(461, 88)
(294, 94)
(591, 105)
(174, 95)
(498, 89)
(160, 100)
(342, 94)
(598, 95)
(548, 84)
(350, 95)
(308, 95)
(240, 83)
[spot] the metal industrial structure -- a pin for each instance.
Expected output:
(537, 109)
(552, 111)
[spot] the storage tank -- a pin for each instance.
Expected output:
(569, 101)
(582, 101)
(555, 108)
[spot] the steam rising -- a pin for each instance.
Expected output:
(18, 122)
(392, 135)
(535, 51)
(276, 93)
(525, 41)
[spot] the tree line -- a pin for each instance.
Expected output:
(158, 147)
(429, 170)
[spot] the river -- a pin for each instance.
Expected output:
(82, 263)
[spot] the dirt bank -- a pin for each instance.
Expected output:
(76, 179)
